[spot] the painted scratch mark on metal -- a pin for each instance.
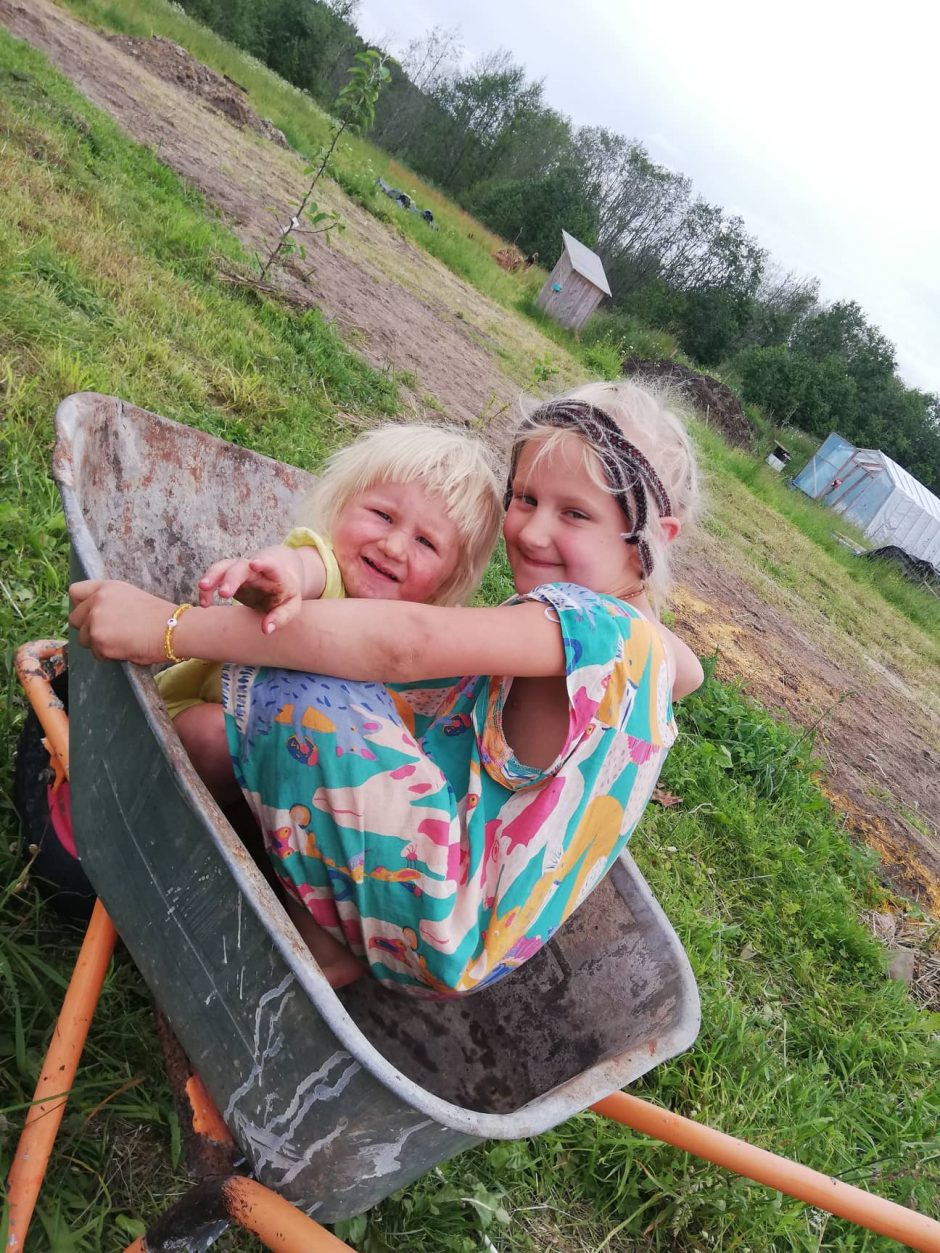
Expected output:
(274, 1039)
(311, 1149)
(274, 1145)
(238, 934)
(267, 1153)
(385, 1156)
(322, 1091)
(224, 952)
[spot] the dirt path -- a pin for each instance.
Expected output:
(405, 311)
(882, 751)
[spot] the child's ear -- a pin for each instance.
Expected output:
(671, 528)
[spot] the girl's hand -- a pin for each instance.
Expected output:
(119, 622)
(272, 582)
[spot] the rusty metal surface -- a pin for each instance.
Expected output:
(206, 1156)
(337, 1099)
(42, 659)
(37, 664)
(154, 497)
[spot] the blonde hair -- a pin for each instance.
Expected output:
(448, 463)
(650, 417)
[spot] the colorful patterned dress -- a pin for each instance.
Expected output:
(403, 822)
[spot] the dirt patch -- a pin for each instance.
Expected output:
(881, 752)
(173, 63)
(406, 312)
(399, 307)
(716, 403)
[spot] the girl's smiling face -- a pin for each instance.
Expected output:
(395, 541)
(564, 527)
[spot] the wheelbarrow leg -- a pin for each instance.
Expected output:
(204, 1213)
(211, 1152)
(858, 1206)
(57, 1075)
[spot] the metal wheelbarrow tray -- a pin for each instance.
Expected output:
(337, 1099)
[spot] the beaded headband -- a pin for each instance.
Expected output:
(629, 473)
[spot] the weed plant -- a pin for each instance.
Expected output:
(107, 281)
(628, 337)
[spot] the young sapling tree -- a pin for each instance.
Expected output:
(354, 108)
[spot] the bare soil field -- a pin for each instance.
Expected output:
(406, 312)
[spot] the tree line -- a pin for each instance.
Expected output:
(486, 135)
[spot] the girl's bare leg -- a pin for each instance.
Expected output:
(201, 729)
(340, 967)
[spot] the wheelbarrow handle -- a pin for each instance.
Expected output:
(825, 1193)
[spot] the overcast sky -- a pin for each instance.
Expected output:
(816, 121)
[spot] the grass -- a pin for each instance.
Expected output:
(107, 280)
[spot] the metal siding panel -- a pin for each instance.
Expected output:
(903, 523)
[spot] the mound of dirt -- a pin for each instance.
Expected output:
(168, 60)
(717, 404)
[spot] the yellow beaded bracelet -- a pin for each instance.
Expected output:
(171, 624)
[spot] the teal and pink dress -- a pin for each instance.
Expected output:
(401, 819)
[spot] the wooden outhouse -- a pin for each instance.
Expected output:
(575, 287)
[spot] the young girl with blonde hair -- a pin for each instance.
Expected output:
(405, 512)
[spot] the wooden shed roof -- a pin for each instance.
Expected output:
(584, 262)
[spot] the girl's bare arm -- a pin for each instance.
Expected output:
(392, 641)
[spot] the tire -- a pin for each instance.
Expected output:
(45, 823)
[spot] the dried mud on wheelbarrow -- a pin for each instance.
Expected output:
(404, 311)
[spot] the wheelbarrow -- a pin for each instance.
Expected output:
(334, 1098)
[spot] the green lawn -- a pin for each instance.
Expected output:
(107, 281)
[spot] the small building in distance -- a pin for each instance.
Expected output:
(887, 503)
(575, 287)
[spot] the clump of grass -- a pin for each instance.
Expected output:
(628, 337)
(602, 359)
